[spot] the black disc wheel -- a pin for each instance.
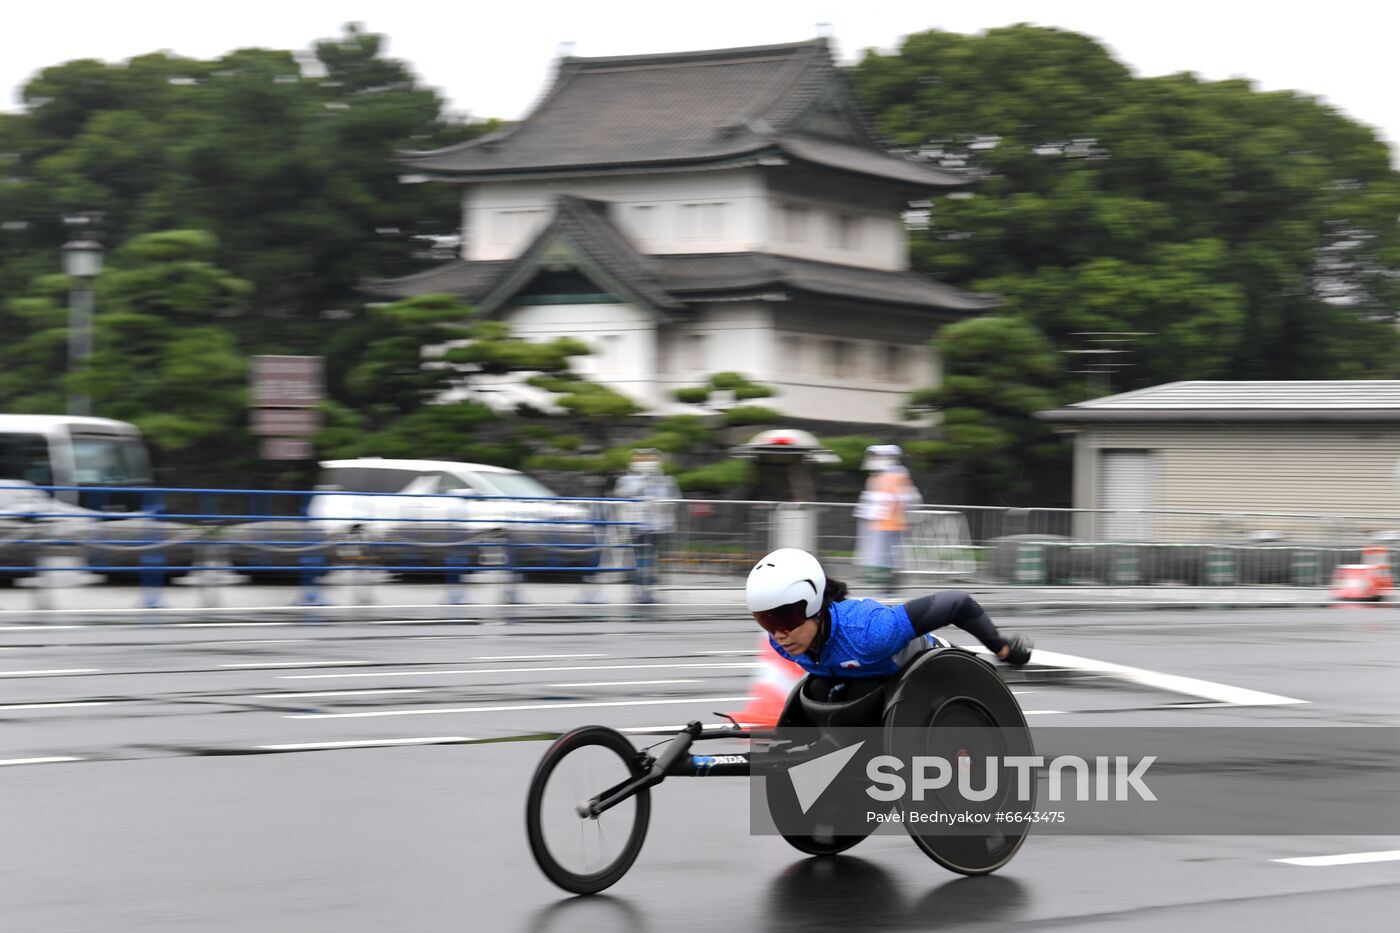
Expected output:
(783, 799)
(585, 854)
(953, 706)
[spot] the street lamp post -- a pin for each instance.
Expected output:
(82, 261)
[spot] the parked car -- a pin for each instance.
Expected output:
(102, 515)
(429, 514)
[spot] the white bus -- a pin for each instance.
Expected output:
(68, 450)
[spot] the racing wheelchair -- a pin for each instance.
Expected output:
(589, 802)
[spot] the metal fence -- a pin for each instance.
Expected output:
(995, 544)
(301, 536)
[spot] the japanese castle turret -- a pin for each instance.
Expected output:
(702, 212)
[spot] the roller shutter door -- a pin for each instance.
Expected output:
(1126, 488)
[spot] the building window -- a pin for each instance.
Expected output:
(609, 353)
(695, 352)
(895, 364)
(838, 358)
(643, 224)
(792, 360)
(847, 232)
(509, 227)
(792, 223)
(702, 221)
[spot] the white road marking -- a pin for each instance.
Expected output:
(227, 624)
(365, 743)
(37, 761)
(534, 657)
(510, 709)
(337, 693)
(271, 664)
(1173, 683)
(1044, 712)
(625, 683)
(527, 670)
(1354, 858)
(74, 670)
(40, 628)
(48, 705)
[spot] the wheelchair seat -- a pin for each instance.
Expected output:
(825, 701)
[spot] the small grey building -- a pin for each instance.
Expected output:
(1258, 451)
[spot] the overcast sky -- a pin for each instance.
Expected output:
(493, 58)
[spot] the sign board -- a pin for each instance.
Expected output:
(285, 422)
(286, 448)
(286, 381)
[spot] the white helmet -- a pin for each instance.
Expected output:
(786, 576)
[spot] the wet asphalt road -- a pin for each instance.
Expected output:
(208, 778)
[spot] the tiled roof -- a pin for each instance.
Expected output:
(699, 274)
(678, 109)
(1360, 400)
(1367, 394)
(584, 226)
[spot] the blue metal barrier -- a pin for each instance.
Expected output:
(264, 533)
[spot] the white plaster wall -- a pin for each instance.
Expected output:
(883, 240)
(656, 211)
(721, 338)
(500, 218)
(623, 339)
(757, 340)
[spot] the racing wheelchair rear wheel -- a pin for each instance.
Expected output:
(782, 798)
(952, 705)
(585, 854)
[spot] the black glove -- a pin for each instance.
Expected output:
(1018, 650)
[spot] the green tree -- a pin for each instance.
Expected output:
(1243, 234)
(999, 371)
(161, 357)
(286, 159)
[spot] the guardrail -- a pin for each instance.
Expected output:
(301, 536)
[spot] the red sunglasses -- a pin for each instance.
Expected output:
(782, 619)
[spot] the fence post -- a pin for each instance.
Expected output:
(1305, 567)
(1220, 567)
(153, 558)
(1030, 563)
(1126, 566)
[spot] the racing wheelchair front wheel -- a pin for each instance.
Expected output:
(953, 706)
(585, 854)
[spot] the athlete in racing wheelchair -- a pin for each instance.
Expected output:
(868, 665)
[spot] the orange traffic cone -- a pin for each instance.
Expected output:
(1378, 557)
(771, 685)
(1354, 582)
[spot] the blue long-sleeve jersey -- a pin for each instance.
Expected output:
(869, 639)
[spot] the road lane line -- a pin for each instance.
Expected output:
(49, 705)
(534, 657)
(41, 628)
(38, 761)
(1173, 683)
(74, 670)
(364, 743)
(745, 665)
(1045, 712)
(337, 693)
(387, 689)
(625, 683)
(1354, 858)
(270, 664)
(511, 709)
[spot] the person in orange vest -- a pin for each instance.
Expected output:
(882, 513)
